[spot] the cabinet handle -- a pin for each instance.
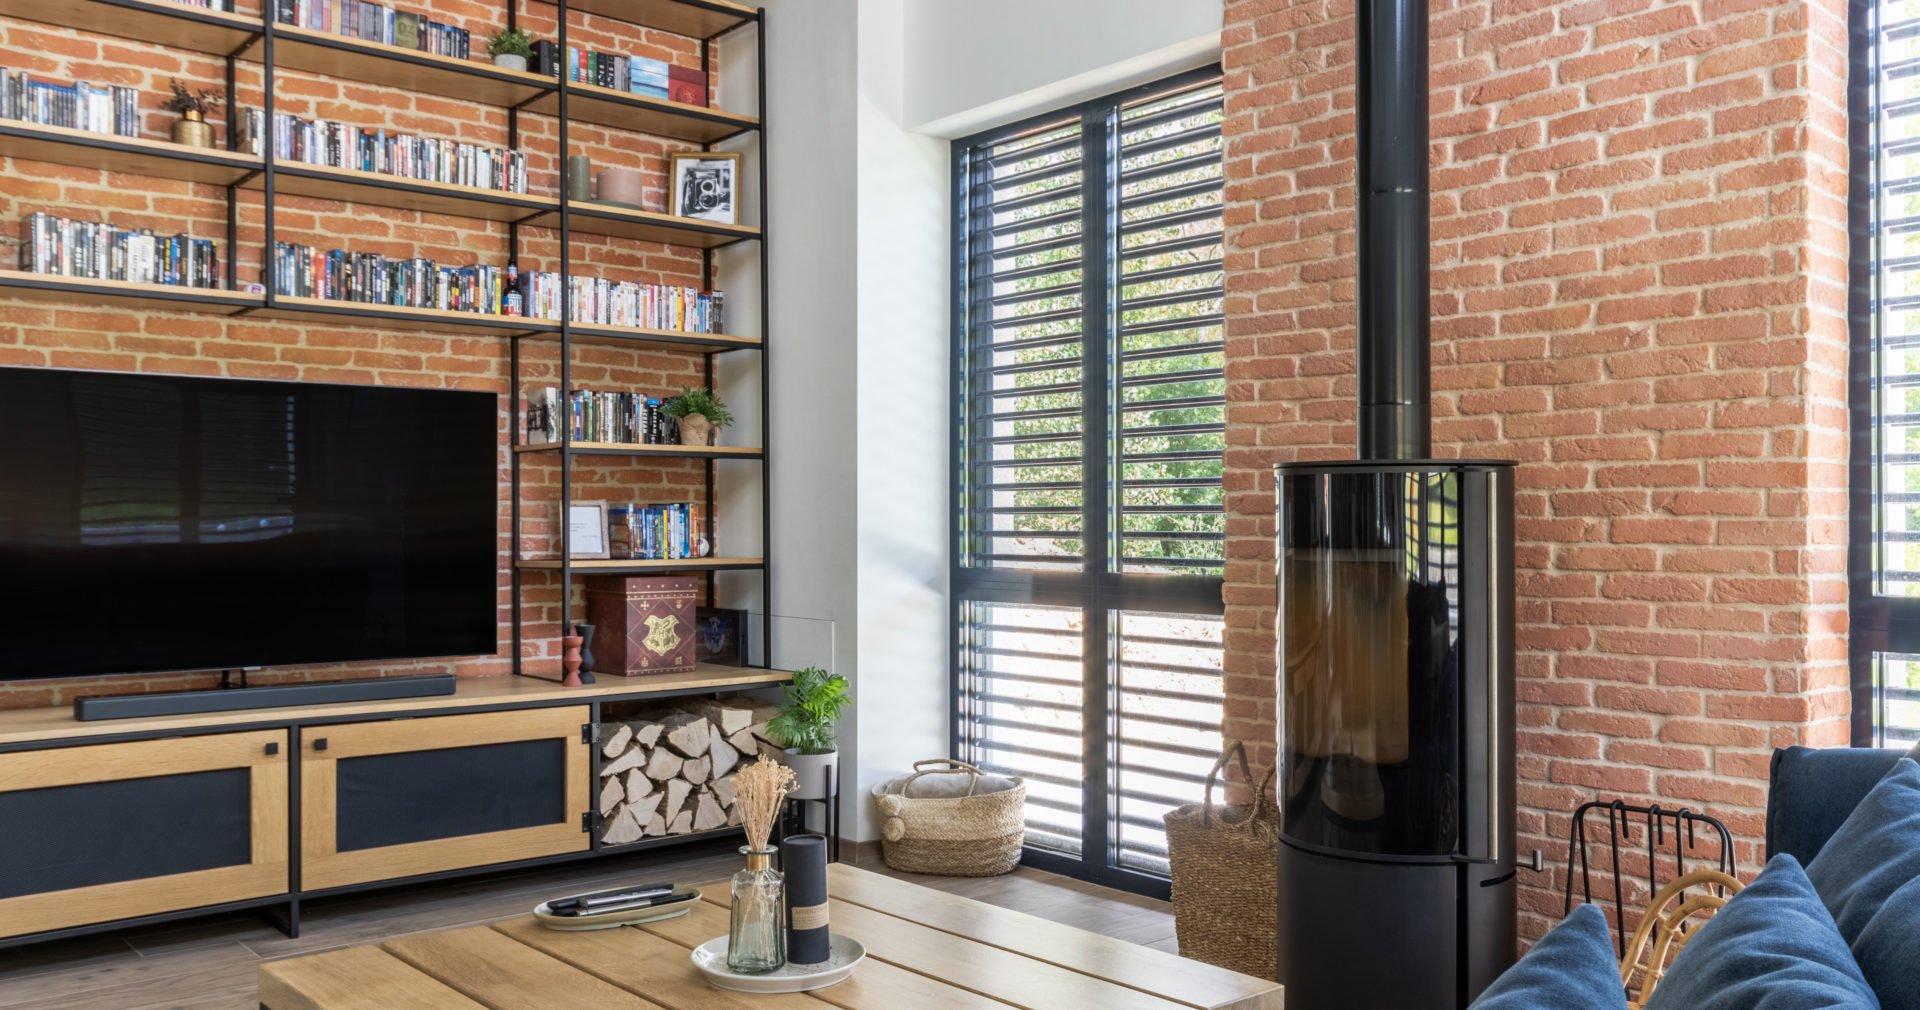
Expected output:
(320, 743)
(272, 749)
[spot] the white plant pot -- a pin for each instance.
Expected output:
(811, 773)
(511, 61)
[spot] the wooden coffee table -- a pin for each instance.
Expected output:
(926, 950)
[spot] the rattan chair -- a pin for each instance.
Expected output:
(1669, 922)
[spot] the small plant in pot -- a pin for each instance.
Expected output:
(805, 728)
(193, 108)
(510, 49)
(700, 412)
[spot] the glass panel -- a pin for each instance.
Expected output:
(1167, 711)
(1020, 709)
(1899, 697)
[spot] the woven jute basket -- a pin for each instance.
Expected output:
(973, 835)
(1223, 865)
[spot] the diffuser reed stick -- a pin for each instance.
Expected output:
(758, 790)
(757, 935)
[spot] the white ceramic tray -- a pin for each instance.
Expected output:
(846, 954)
(579, 923)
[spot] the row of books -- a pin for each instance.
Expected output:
(371, 278)
(658, 532)
(340, 145)
(375, 23)
(58, 245)
(599, 416)
(79, 106)
(210, 5)
(625, 303)
(637, 75)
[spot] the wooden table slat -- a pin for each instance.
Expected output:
(1194, 983)
(354, 976)
(646, 965)
(505, 974)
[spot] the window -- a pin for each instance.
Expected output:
(1884, 561)
(1089, 436)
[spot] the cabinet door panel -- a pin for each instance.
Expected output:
(394, 799)
(114, 831)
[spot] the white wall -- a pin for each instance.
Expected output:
(983, 63)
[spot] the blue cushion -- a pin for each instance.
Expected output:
(1573, 967)
(1773, 947)
(1811, 792)
(1869, 876)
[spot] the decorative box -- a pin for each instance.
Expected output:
(645, 623)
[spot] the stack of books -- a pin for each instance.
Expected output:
(80, 106)
(658, 532)
(375, 23)
(57, 245)
(633, 74)
(340, 145)
(371, 278)
(624, 303)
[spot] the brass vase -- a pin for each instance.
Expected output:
(192, 129)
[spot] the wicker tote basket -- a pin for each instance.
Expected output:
(1222, 860)
(934, 827)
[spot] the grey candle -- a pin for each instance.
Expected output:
(579, 177)
(803, 858)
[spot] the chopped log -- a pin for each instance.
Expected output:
(617, 740)
(707, 814)
(625, 828)
(646, 809)
(677, 790)
(645, 733)
(687, 734)
(681, 823)
(723, 791)
(745, 742)
(656, 825)
(724, 757)
(664, 765)
(611, 795)
(639, 786)
(625, 762)
(697, 770)
(727, 717)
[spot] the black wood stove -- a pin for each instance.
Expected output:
(1395, 651)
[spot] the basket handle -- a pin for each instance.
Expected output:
(1263, 796)
(954, 767)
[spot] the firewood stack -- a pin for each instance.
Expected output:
(672, 773)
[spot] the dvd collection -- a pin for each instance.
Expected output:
(79, 106)
(625, 303)
(375, 23)
(637, 75)
(624, 418)
(304, 272)
(658, 532)
(211, 5)
(340, 145)
(57, 245)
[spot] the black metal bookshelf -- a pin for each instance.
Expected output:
(274, 47)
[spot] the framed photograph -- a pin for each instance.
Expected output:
(587, 530)
(720, 636)
(705, 186)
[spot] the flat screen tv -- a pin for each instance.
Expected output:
(152, 523)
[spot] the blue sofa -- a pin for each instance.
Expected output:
(1813, 791)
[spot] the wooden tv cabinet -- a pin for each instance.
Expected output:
(111, 824)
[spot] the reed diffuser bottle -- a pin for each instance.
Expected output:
(757, 932)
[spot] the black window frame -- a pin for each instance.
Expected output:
(1099, 593)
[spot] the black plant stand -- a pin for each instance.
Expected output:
(793, 817)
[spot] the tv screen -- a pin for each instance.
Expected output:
(154, 523)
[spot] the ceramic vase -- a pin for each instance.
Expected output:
(695, 429)
(623, 186)
(570, 660)
(584, 632)
(511, 61)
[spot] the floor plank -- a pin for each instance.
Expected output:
(211, 963)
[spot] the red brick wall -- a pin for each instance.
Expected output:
(81, 336)
(1639, 270)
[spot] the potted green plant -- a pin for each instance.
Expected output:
(193, 108)
(510, 48)
(700, 412)
(804, 729)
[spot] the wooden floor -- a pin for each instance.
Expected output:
(209, 964)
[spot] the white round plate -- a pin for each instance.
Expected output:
(846, 954)
(634, 916)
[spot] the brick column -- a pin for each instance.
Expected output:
(1639, 277)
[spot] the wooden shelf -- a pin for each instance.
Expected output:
(700, 19)
(328, 183)
(157, 21)
(658, 340)
(622, 110)
(637, 449)
(363, 62)
(403, 317)
(615, 566)
(125, 294)
(648, 226)
(38, 724)
(124, 155)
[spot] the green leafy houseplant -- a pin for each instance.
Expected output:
(510, 42)
(815, 700)
(699, 401)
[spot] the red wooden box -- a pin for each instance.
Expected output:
(642, 625)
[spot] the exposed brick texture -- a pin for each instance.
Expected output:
(82, 336)
(1639, 271)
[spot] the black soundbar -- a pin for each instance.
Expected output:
(132, 706)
